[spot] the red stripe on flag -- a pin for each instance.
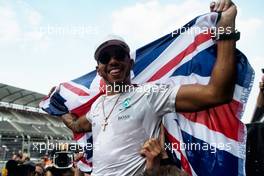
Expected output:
(75, 90)
(199, 39)
(83, 160)
(184, 162)
(222, 119)
(77, 136)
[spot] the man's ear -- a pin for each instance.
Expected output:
(98, 71)
(132, 63)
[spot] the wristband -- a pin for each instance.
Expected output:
(228, 36)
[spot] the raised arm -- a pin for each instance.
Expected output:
(221, 85)
(77, 125)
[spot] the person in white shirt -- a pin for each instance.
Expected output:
(128, 115)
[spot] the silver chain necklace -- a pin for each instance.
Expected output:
(105, 122)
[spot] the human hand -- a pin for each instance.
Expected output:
(229, 12)
(151, 150)
(220, 5)
(57, 103)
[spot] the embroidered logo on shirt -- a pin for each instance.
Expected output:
(123, 117)
(126, 103)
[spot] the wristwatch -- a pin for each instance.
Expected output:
(228, 36)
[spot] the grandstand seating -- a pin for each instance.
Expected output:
(54, 121)
(21, 127)
(31, 123)
(12, 143)
(28, 128)
(6, 127)
(25, 117)
(7, 114)
(39, 127)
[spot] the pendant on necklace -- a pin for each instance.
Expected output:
(104, 124)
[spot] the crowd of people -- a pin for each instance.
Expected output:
(21, 165)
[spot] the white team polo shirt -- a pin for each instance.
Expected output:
(136, 118)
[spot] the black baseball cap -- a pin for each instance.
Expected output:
(112, 41)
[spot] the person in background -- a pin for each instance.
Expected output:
(27, 168)
(62, 164)
(259, 110)
(4, 172)
(151, 150)
(12, 167)
(17, 157)
(39, 170)
(255, 137)
(157, 160)
(25, 157)
(46, 161)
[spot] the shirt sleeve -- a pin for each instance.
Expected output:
(162, 98)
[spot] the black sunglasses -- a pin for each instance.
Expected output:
(118, 54)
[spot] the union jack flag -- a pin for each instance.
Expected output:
(186, 56)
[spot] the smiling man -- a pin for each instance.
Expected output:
(128, 115)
